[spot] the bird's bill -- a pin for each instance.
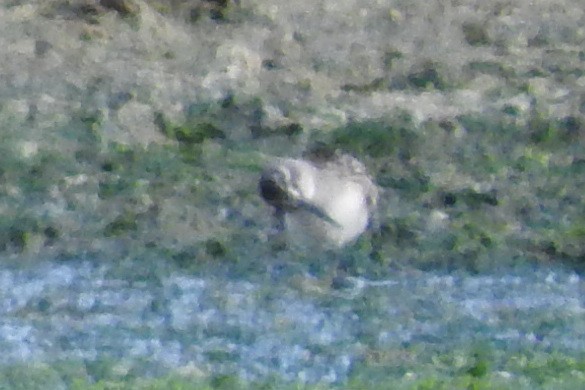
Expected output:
(317, 211)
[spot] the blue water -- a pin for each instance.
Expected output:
(298, 329)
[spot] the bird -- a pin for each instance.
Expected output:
(323, 200)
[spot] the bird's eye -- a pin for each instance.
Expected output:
(271, 192)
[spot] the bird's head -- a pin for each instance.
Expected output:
(287, 184)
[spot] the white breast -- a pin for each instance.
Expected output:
(338, 200)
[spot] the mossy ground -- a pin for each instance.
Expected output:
(474, 368)
(473, 192)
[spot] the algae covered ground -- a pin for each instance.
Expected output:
(452, 370)
(475, 192)
(132, 134)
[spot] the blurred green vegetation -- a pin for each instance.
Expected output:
(404, 368)
(473, 192)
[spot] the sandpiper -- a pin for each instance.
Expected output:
(323, 200)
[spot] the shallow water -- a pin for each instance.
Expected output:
(79, 310)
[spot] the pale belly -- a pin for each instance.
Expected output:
(347, 208)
